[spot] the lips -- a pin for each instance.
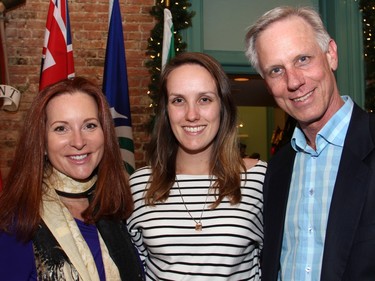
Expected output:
(194, 129)
(303, 98)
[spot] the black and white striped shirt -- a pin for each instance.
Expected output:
(227, 248)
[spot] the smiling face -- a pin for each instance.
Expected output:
(298, 73)
(193, 108)
(74, 136)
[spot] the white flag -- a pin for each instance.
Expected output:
(168, 39)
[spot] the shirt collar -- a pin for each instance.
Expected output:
(333, 132)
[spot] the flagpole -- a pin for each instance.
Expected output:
(167, 3)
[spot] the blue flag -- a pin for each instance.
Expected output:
(115, 86)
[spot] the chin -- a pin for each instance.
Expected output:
(81, 176)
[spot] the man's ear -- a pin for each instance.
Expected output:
(331, 54)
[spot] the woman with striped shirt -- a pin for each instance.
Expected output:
(198, 206)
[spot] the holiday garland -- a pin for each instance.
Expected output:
(181, 18)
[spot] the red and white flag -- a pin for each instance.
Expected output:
(57, 58)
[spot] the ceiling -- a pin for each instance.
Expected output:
(251, 90)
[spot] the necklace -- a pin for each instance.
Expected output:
(198, 223)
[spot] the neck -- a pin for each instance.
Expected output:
(73, 194)
(192, 164)
(76, 206)
(69, 187)
(311, 129)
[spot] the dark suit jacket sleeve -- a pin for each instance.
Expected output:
(349, 251)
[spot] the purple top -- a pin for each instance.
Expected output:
(90, 233)
(17, 261)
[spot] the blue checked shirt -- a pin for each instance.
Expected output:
(310, 195)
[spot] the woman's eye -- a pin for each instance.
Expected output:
(205, 99)
(60, 129)
(91, 126)
(177, 100)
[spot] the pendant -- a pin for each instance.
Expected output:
(198, 226)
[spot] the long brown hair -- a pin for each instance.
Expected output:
(21, 198)
(225, 163)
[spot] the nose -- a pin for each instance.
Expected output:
(192, 112)
(295, 79)
(78, 140)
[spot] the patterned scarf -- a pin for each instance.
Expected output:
(71, 258)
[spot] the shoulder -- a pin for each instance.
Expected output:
(251, 163)
(285, 153)
(139, 179)
(12, 254)
(140, 173)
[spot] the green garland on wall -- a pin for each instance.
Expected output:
(368, 13)
(181, 18)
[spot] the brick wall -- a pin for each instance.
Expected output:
(89, 24)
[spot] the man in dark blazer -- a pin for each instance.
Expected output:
(319, 191)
